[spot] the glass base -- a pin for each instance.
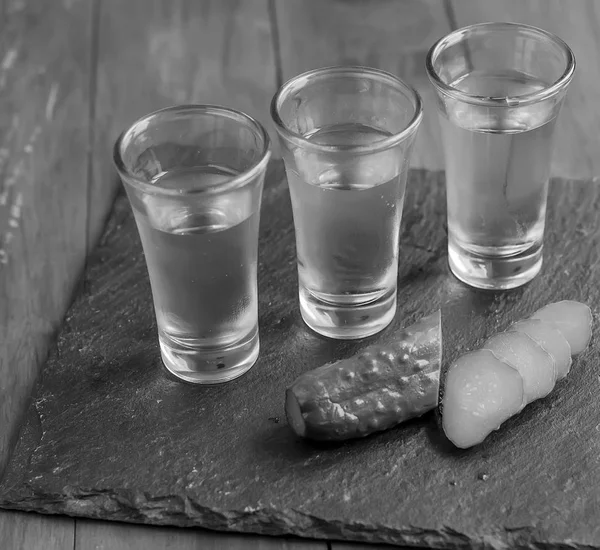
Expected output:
(202, 365)
(495, 272)
(345, 319)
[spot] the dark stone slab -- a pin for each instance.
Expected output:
(109, 435)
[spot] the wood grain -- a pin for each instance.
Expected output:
(386, 34)
(578, 23)
(99, 535)
(44, 95)
(44, 126)
(22, 531)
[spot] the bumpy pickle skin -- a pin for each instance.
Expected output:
(375, 390)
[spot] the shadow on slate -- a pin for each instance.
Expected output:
(109, 435)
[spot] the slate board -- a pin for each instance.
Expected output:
(110, 435)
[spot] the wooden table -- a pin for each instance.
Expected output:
(74, 73)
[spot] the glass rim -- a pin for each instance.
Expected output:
(193, 108)
(456, 37)
(298, 82)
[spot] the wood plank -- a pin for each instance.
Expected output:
(386, 34)
(100, 535)
(577, 22)
(44, 100)
(22, 531)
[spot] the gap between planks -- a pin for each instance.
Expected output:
(100, 535)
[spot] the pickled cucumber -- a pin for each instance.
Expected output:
(479, 392)
(482, 392)
(551, 339)
(572, 319)
(377, 389)
(535, 365)
(385, 385)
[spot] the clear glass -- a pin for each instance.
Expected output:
(194, 176)
(500, 87)
(346, 135)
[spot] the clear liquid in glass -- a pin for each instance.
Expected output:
(347, 219)
(202, 260)
(497, 170)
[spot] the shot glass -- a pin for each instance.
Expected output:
(346, 135)
(500, 87)
(194, 176)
